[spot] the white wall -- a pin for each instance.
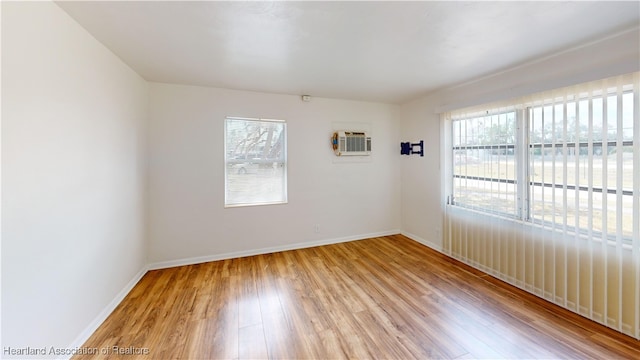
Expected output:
(421, 211)
(73, 167)
(187, 218)
(602, 58)
(422, 196)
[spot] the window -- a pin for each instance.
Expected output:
(484, 172)
(255, 162)
(563, 159)
(581, 162)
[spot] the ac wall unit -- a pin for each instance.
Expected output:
(351, 143)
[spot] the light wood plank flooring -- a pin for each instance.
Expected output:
(385, 298)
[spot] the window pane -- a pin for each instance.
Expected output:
(627, 116)
(612, 117)
(583, 178)
(255, 156)
(484, 164)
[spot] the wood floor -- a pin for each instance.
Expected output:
(384, 298)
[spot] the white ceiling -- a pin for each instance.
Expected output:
(375, 51)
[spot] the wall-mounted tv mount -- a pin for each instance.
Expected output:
(407, 148)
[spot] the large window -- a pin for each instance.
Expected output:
(563, 159)
(255, 162)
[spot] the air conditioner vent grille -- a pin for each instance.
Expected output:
(351, 143)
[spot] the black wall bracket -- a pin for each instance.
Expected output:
(407, 148)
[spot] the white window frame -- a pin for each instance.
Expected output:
(516, 149)
(228, 162)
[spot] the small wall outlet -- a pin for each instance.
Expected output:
(316, 228)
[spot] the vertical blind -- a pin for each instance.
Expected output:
(544, 193)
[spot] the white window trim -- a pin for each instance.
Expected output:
(285, 199)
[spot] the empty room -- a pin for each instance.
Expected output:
(320, 180)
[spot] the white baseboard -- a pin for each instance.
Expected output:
(267, 250)
(431, 244)
(93, 326)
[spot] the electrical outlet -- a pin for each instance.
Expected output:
(316, 228)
